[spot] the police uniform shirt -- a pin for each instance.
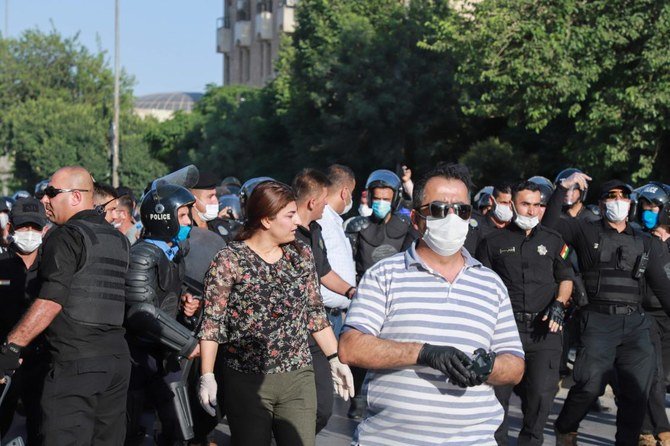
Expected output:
(530, 266)
(18, 288)
(63, 255)
(312, 237)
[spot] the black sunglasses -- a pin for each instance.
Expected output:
(51, 192)
(440, 209)
(613, 195)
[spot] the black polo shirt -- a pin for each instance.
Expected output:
(530, 266)
(312, 237)
(18, 288)
(63, 255)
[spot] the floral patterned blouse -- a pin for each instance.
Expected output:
(261, 312)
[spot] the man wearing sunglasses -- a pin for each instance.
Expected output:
(531, 261)
(81, 309)
(415, 323)
(616, 261)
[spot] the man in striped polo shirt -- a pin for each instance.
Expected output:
(417, 319)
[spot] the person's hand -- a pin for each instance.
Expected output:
(450, 361)
(10, 358)
(189, 304)
(343, 380)
(555, 314)
(578, 179)
(195, 352)
(406, 174)
(207, 393)
(226, 212)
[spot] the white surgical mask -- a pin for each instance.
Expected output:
(116, 224)
(502, 212)
(4, 219)
(446, 236)
(364, 210)
(27, 241)
(525, 222)
(211, 212)
(617, 210)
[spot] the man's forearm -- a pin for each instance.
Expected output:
(35, 321)
(507, 369)
(564, 291)
(367, 351)
(335, 283)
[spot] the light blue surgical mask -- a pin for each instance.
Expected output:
(381, 208)
(649, 219)
(183, 233)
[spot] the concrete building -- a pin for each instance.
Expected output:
(248, 36)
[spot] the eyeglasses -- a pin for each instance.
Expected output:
(440, 209)
(615, 194)
(51, 192)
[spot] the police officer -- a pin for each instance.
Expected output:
(105, 199)
(18, 289)
(546, 189)
(501, 212)
(81, 307)
(654, 201)
(574, 203)
(206, 208)
(615, 261)
(531, 261)
(153, 293)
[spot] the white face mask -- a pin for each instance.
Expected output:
(502, 212)
(116, 224)
(446, 236)
(364, 210)
(526, 223)
(4, 219)
(211, 212)
(616, 210)
(347, 207)
(27, 241)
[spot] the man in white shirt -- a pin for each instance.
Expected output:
(340, 256)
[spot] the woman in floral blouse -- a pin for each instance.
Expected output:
(261, 302)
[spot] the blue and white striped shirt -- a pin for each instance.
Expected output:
(402, 299)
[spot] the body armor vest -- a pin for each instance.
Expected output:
(617, 277)
(650, 301)
(97, 290)
(379, 241)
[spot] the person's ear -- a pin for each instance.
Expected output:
(266, 222)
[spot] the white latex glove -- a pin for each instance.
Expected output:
(207, 393)
(343, 380)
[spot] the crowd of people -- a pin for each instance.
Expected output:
(260, 302)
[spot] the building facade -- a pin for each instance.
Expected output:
(248, 35)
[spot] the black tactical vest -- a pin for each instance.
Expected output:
(650, 301)
(379, 241)
(617, 278)
(97, 295)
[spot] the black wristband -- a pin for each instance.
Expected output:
(329, 357)
(346, 293)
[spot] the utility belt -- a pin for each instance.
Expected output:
(526, 321)
(334, 311)
(615, 309)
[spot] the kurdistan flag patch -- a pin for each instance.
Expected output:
(565, 252)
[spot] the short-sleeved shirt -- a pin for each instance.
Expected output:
(18, 288)
(63, 255)
(402, 299)
(263, 312)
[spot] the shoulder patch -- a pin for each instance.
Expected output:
(474, 223)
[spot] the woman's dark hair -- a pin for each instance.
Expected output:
(266, 200)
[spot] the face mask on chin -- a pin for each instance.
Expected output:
(446, 236)
(347, 207)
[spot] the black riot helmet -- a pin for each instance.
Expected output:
(158, 210)
(231, 201)
(546, 188)
(388, 179)
(563, 174)
(482, 198)
(232, 185)
(39, 189)
(654, 193)
(246, 190)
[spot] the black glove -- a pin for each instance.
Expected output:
(555, 313)
(482, 365)
(9, 358)
(450, 361)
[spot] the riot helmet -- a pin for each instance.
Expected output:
(565, 173)
(158, 210)
(231, 185)
(231, 201)
(482, 198)
(246, 190)
(21, 194)
(654, 193)
(387, 179)
(39, 189)
(546, 188)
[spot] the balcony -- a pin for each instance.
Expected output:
(263, 25)
(243, 33)
(286, 16)
(224, 35)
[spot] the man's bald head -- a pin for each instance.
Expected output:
(75, 193)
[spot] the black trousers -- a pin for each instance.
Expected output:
(538, 387)
(324, 386)
(84, 401)
(656, 420)
(622, 343)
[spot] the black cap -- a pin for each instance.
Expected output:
(5, 205)
(28, 210)
(614, 184)
(207, 180)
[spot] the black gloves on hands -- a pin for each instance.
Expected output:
(450, 361)
(482, 365)
(555, 313)
(9, 358)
